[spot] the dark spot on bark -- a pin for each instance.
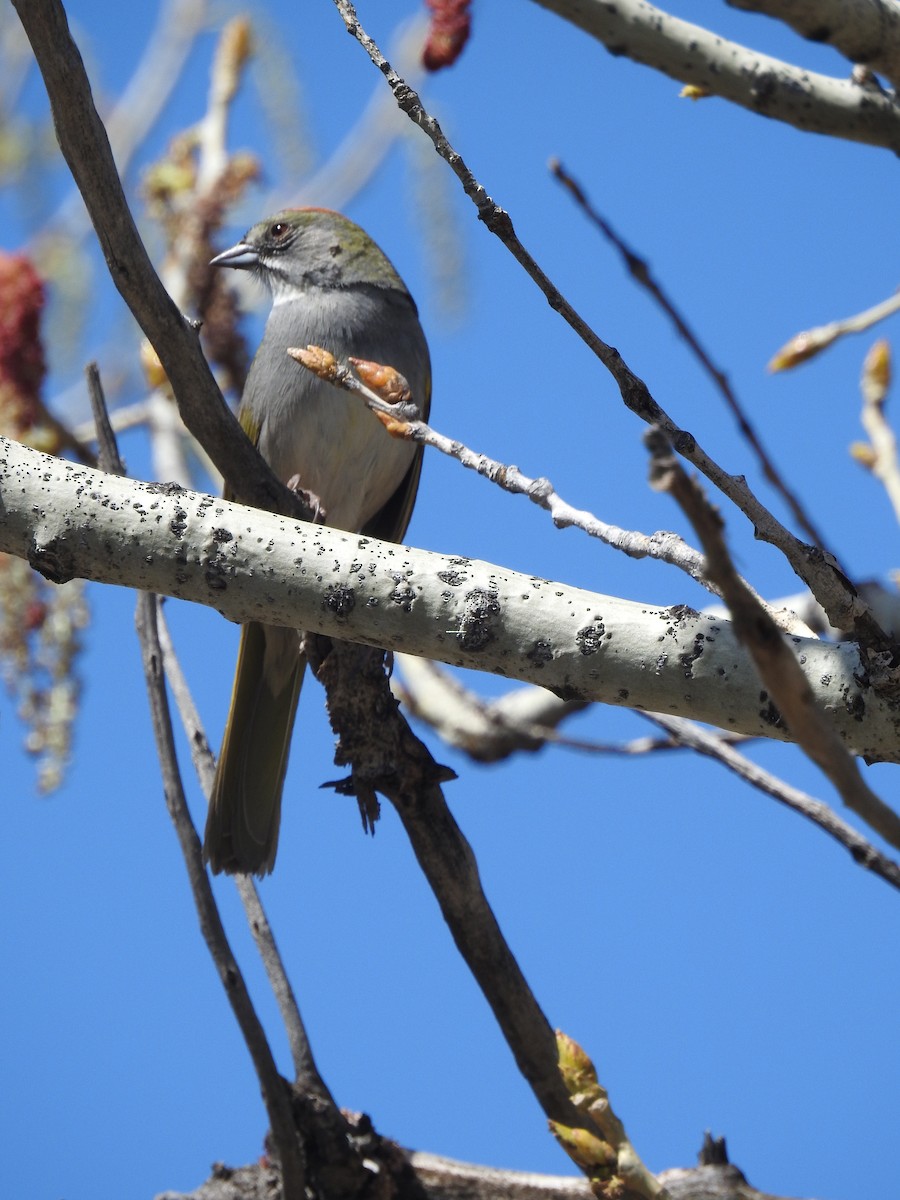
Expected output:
(769, 714)
(856, 706)
(339, 600)
(684, 443)
(540, 653)
(53, 560)
(480, 607)
(164, 489)
(588, 639)
(689, 657)
(403, 595)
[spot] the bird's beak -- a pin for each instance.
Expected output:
(243, 256)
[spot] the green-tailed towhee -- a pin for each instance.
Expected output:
(332, 287)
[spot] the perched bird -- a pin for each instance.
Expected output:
(332, 287)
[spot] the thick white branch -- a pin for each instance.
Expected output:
(692, 54)
(864, 31)
(71, 521)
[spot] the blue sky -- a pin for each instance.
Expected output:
(725, 964)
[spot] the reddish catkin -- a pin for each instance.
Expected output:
(22, 365)
(451, 23)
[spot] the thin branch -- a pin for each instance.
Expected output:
(831, 588)
(488, 731)
(788, 689)
(108, 457)
(806, 345)
(880, 455)
(385, 756)
(401, 419)
(275, 1090)
(67, 438)
(695, 55)
(692, 736)
(151, 84)
(130, 416)
(86, 148)
(640, 271)
(307, 1078)
(523, 720)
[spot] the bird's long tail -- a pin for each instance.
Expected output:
(245, 806)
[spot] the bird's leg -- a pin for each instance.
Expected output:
(310, 499)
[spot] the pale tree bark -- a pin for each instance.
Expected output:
(765, 85)
(864, 31)
(72, 521)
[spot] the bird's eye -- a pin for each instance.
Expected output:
(278, 230)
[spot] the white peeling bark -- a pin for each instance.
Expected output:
(69, 521)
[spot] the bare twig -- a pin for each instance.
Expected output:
(68, 438)
(694, 737)
(488, 731)
(808, 344)
(828, 584)
(880, 456)
(307, 1077)
(130, 416)
(524, 719)
(640, 271)
(136, 111)
(86, 148)
(275, 1090)
(108, 457)
(385, 756)
(402, 420)
(790, 695)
